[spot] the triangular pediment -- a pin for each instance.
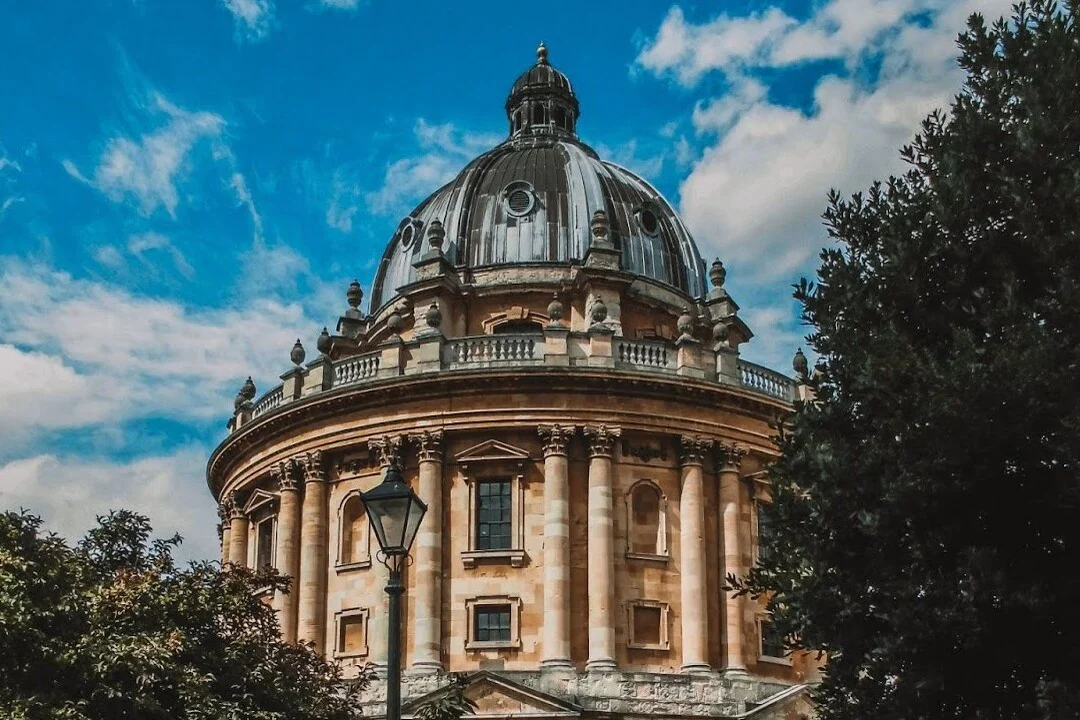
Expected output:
(497, 697)
(492, 450)
(258, 499)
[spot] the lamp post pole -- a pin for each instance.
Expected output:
(394, 588)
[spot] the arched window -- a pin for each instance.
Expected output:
(539, 115)
(646, 532)
(354, 546)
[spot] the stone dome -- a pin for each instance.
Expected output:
(530, 200)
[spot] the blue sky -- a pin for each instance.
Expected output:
(186, 187)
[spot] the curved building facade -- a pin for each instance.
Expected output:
(546, 360)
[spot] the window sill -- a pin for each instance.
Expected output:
(657, 647)
(774, 660)
(648, 557)
(347, 655)
(349, 567)
(493, 645)
(516, 558)
(264, 591)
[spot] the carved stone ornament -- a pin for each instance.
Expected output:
(598, 311)
(600, 228)
(356, 464)
(435, 236)
(555, 310)
(720, 331)
(693, 450)
(354, 295)
(686, 323)
(800, 365)
(729, 455)
(717, 274)
(284, 473)
(433, 316)
(247, 390)
(298, 353)
(388, 449)
(555, 438)
(312, 465)
(394, 323)
(644, 452)
(601, 439)
(429, 444)
(236, 508)
(223, 511)
(323, 343)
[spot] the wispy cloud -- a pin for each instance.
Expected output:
(444, 151)
(148, 168)
(254, 18)
(340, 4)
(142, 246)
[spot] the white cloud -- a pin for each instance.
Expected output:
(78, 353)
(446, 150)
(629, 155)
(254, 18)
(141, 244)
(340, 4)
(345, 197)
(69, 492)
(148, 168)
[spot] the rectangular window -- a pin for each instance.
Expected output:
(764, 529)
(493, 515)
(264, 544)
(351, 633)
(492, 623)
(772, 642)
(647, 625)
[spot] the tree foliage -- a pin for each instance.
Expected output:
(113, 628)
(927, 502)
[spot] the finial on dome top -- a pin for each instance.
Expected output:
(542, 54)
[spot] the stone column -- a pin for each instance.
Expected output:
(692, 575)
(556, 637)
(387, 449)
(226, 533)
(314, 549)
(288, 546)
(427, 606)
(238, 532)
(729, 457)
(601, 548)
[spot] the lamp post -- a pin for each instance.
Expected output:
(394, 513)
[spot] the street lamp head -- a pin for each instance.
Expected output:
(394, 512)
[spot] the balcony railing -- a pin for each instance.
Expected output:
(481, 352)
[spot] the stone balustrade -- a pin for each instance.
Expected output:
(480, 352)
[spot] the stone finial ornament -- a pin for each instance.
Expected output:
(542, 54)
(323, 343)
(435, 236)
(800, 364)
(298, 353)
(598, 312)
(555, 310)
(720, 331)
(247, 390)
(354, 295)
(686, 323)
(394, 323)
(717, 274)
(433, 316)
(601, 228)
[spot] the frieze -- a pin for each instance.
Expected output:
(349, 465)
(645, 452)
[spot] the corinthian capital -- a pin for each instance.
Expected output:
(694, 449)
(388, 449)
(429, 444)
(729, 455)
(601, 439)
(223, 510)
(555, 438)
(284, 473)
(234, 506)
(312, 465)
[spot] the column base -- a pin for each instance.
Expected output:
(735, 672)
(600, 665)
(696, 669)
(425, 667)
(556, 665)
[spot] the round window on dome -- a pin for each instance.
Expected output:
(519, 199)
(650, 223)
(407, 232)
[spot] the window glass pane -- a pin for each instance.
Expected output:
(264, 544)
(764, 526)
(493, 515)
(772, 643)
(492, 623)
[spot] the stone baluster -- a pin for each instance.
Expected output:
(427, 609)
(238, 532)
(601, 548)
(732, 649)
(556, 634)
(692, 571)
(288, 544)
(314, 549)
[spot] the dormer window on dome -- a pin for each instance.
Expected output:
(542, 101)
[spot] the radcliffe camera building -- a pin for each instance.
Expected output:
(557, 374)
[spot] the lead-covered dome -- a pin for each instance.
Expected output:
(530, 200)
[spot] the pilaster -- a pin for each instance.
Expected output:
(601, 563)
(554, 440)
(427, 608)
(692, 577)
(314, 548)
(729, 458)
(287, 551)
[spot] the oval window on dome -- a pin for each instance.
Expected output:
(518, 198)
(650, 222)
(407, 232)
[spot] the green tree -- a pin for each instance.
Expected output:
(926, 504)
(113, 628)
